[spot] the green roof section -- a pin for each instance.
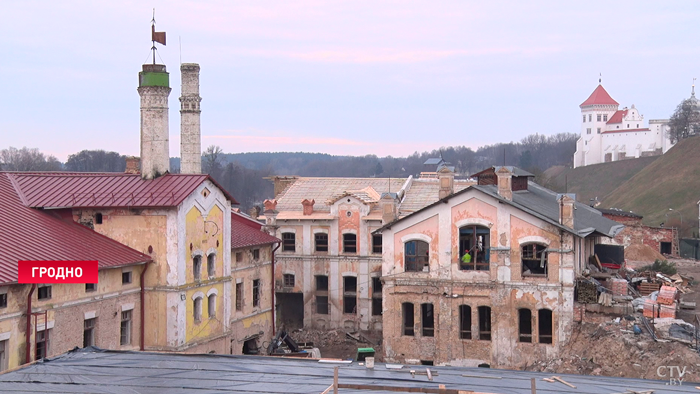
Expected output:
(154, 75)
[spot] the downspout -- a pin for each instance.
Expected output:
(143, 305)
(28, 332)
(273, 287)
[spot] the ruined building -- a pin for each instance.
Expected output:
(486, 274)
(328, 269)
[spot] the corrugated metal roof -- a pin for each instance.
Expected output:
(86, 190)
(247, 232)
(31, 234)
(116, 372)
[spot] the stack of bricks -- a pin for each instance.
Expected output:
(667, 302)
(618, 287)
(651, 309)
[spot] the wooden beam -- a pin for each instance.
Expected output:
(335, 380)
(404, 389)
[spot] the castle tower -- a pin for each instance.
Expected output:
(190, 131)
(154, 89)
(596, 111)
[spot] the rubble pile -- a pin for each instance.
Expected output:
(641, 252)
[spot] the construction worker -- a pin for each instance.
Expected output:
(467, 258)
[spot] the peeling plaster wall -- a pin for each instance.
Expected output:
(503, 287)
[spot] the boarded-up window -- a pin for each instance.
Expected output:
(197, 309)
(407, 313)
(211, 265)
(197, 267)
(211, 305)
(239, 296)
(465, 322)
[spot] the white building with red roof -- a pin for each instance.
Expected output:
(609, 133)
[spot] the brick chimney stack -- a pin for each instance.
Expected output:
(190, 129)
(505, 183)
(154, 89)
(270, 212)
(308, 206)
(566, 209)
(446, 177)
(388, 204)
(132, 165)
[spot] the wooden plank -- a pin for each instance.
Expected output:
(549, 380)
(335, 380)
(558, 379)
(328, 390)
(533, 386)
(430, 376)
(597, 262)
(403, 389)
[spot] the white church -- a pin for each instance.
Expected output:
(611, 134)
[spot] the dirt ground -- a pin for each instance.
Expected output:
(336, 344)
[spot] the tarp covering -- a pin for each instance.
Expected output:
(92, 370)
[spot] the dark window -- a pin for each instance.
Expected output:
(465, 322)
(197, 309)
(126, 277)
(377, 243)
(665, 247)
(288, 280)
(211, 305)
(534, 259)
(98, 218)
(3, 300)
(321, 283)
(484, 323)
(599, 116)
(256, 254)
(349, 243)
(197, 267)
(376, 296)
(44, 293)
(605, 118)
(211, 264)
(125, 329)
(349, 294)
(590, 117)
(3, 355)
(256, 292)
(474, 248)
(239, 257)
(427, 320)
(407, 311)
(288, 242)
(89, 332)
(322, 295)
(524, 325)
(42, 344)
(584, 118)
(427, 362)
(90, 287)
(322, 305)
(416, 255)
(544, 319)
(321, 240)
(239, 296)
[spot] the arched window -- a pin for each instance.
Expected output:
(524, 325)
(474, 248)
(534, 259)
(211, 264)
(545, 324)
(197, 267)
(465, 322)
(197, 309)
(416, 256)
(212, 305)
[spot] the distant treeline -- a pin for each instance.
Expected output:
(242, 173)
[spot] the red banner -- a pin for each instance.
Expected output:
(52, 271)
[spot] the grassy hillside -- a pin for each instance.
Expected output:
(597, 180)
(671, 181)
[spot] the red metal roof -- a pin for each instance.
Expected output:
(91, 190)
(624, 131)
(31, 234)
(617, 116)
(247, 232)
(599, 96)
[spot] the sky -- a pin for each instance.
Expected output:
(340, 77)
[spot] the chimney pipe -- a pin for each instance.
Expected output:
(505, 183)
(190, 113)
(446, 178)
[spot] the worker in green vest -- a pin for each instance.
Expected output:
(467, 258)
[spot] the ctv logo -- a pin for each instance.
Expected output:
(51, 271)
(674, 374)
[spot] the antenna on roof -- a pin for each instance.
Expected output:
(566, 183)
(504, 156)
(600, 78)
(692, 93)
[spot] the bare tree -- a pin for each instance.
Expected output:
(212, 163)
(26, 159)
(685, 120)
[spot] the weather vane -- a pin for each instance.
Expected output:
(156, 36)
